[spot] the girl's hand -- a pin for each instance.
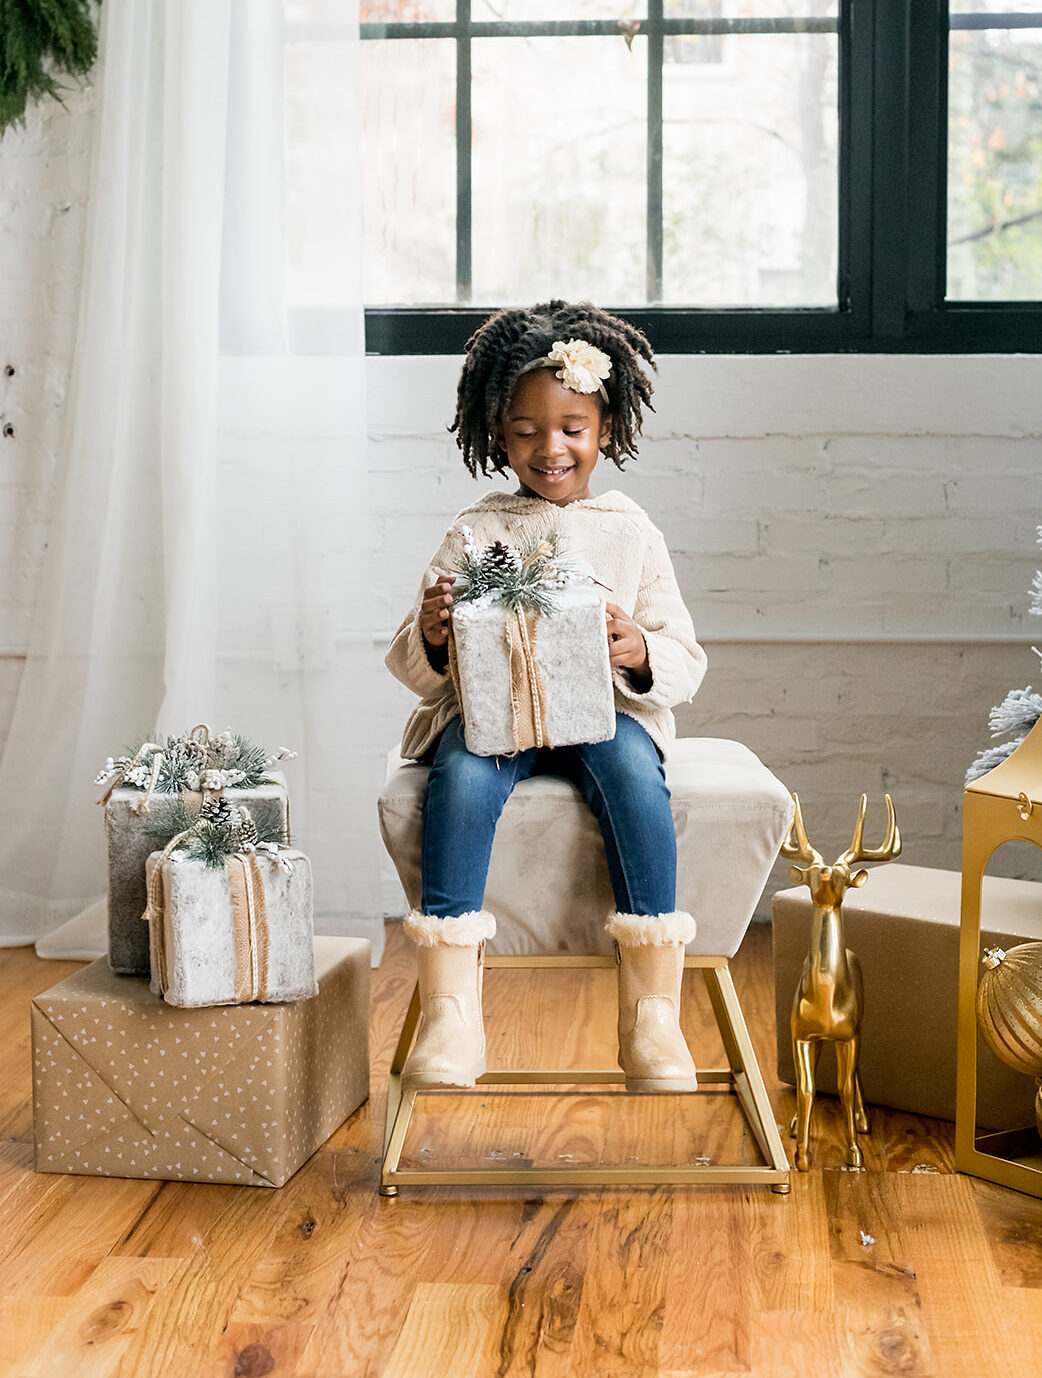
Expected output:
(435, 611)
(627, 648)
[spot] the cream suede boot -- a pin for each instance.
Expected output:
(652, 1050)
(450, 1046)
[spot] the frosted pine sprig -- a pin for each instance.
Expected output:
(992, 757)
(1018, 712)
(225, 827)
(227, 760)
(520, 580)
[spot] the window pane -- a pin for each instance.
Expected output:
(751, 9)
(559, 169)
(526, 11)
(995, 165)
(750, 129)
(409, 170)
(994, 6)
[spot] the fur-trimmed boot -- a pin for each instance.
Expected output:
(450, 1046)
(652, 1050)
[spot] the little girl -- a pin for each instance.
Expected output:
(544, 392)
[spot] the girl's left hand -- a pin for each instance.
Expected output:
(627, 648)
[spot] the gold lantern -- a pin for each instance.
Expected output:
(1002, 806)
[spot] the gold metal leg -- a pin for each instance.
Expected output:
(736, 1038)
(399, 1103)
(401, 1052)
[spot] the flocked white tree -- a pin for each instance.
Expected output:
(1018, 712)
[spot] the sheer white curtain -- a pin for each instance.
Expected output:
(208, 548)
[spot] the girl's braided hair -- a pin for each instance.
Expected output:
(498, 351)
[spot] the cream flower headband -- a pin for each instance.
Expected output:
(583, 365)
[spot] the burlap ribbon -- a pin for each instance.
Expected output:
(250, 927)
(527, 695)
(250, 930)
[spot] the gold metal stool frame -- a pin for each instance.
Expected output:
(742, 1076)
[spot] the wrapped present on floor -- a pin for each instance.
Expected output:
(126, 1086)
(528, 649)
(229, 918)
(152, 793)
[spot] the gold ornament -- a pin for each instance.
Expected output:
(1009, 1006)
(829, 999)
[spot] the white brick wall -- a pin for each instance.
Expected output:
(881, 508)
(861, 586)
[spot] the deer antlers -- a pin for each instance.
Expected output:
(797, 845)
(891, 847)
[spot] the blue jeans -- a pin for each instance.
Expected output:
(622, 781)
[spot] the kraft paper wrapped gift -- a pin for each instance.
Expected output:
(239, 933)
(525, 679)
(126, 1086)
(904, 928)
(131, 837)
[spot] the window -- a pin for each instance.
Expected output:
(732, 175)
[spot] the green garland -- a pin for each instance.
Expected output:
(217, 828)
(190, 762)
(40, 40)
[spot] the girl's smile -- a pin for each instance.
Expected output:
(552, 437)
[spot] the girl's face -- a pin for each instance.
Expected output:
(553, 437)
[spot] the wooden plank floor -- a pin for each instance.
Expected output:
(906, 1268)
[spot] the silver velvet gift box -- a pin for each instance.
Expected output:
(231, 934)
(132, 835)
(528, 679)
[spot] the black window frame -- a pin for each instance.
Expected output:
(893, 134)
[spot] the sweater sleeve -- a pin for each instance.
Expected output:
(407, 657)
(677, 661)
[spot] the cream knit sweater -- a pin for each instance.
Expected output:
(627, 554)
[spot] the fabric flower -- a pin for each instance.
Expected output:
(584, 365)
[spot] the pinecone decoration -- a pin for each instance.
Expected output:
(220, 812)
(248, 834)
(500, 558)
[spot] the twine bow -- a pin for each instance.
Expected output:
(120, 773)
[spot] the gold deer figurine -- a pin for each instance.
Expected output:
(830, 998)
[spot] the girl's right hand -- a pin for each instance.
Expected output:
(435, 611)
